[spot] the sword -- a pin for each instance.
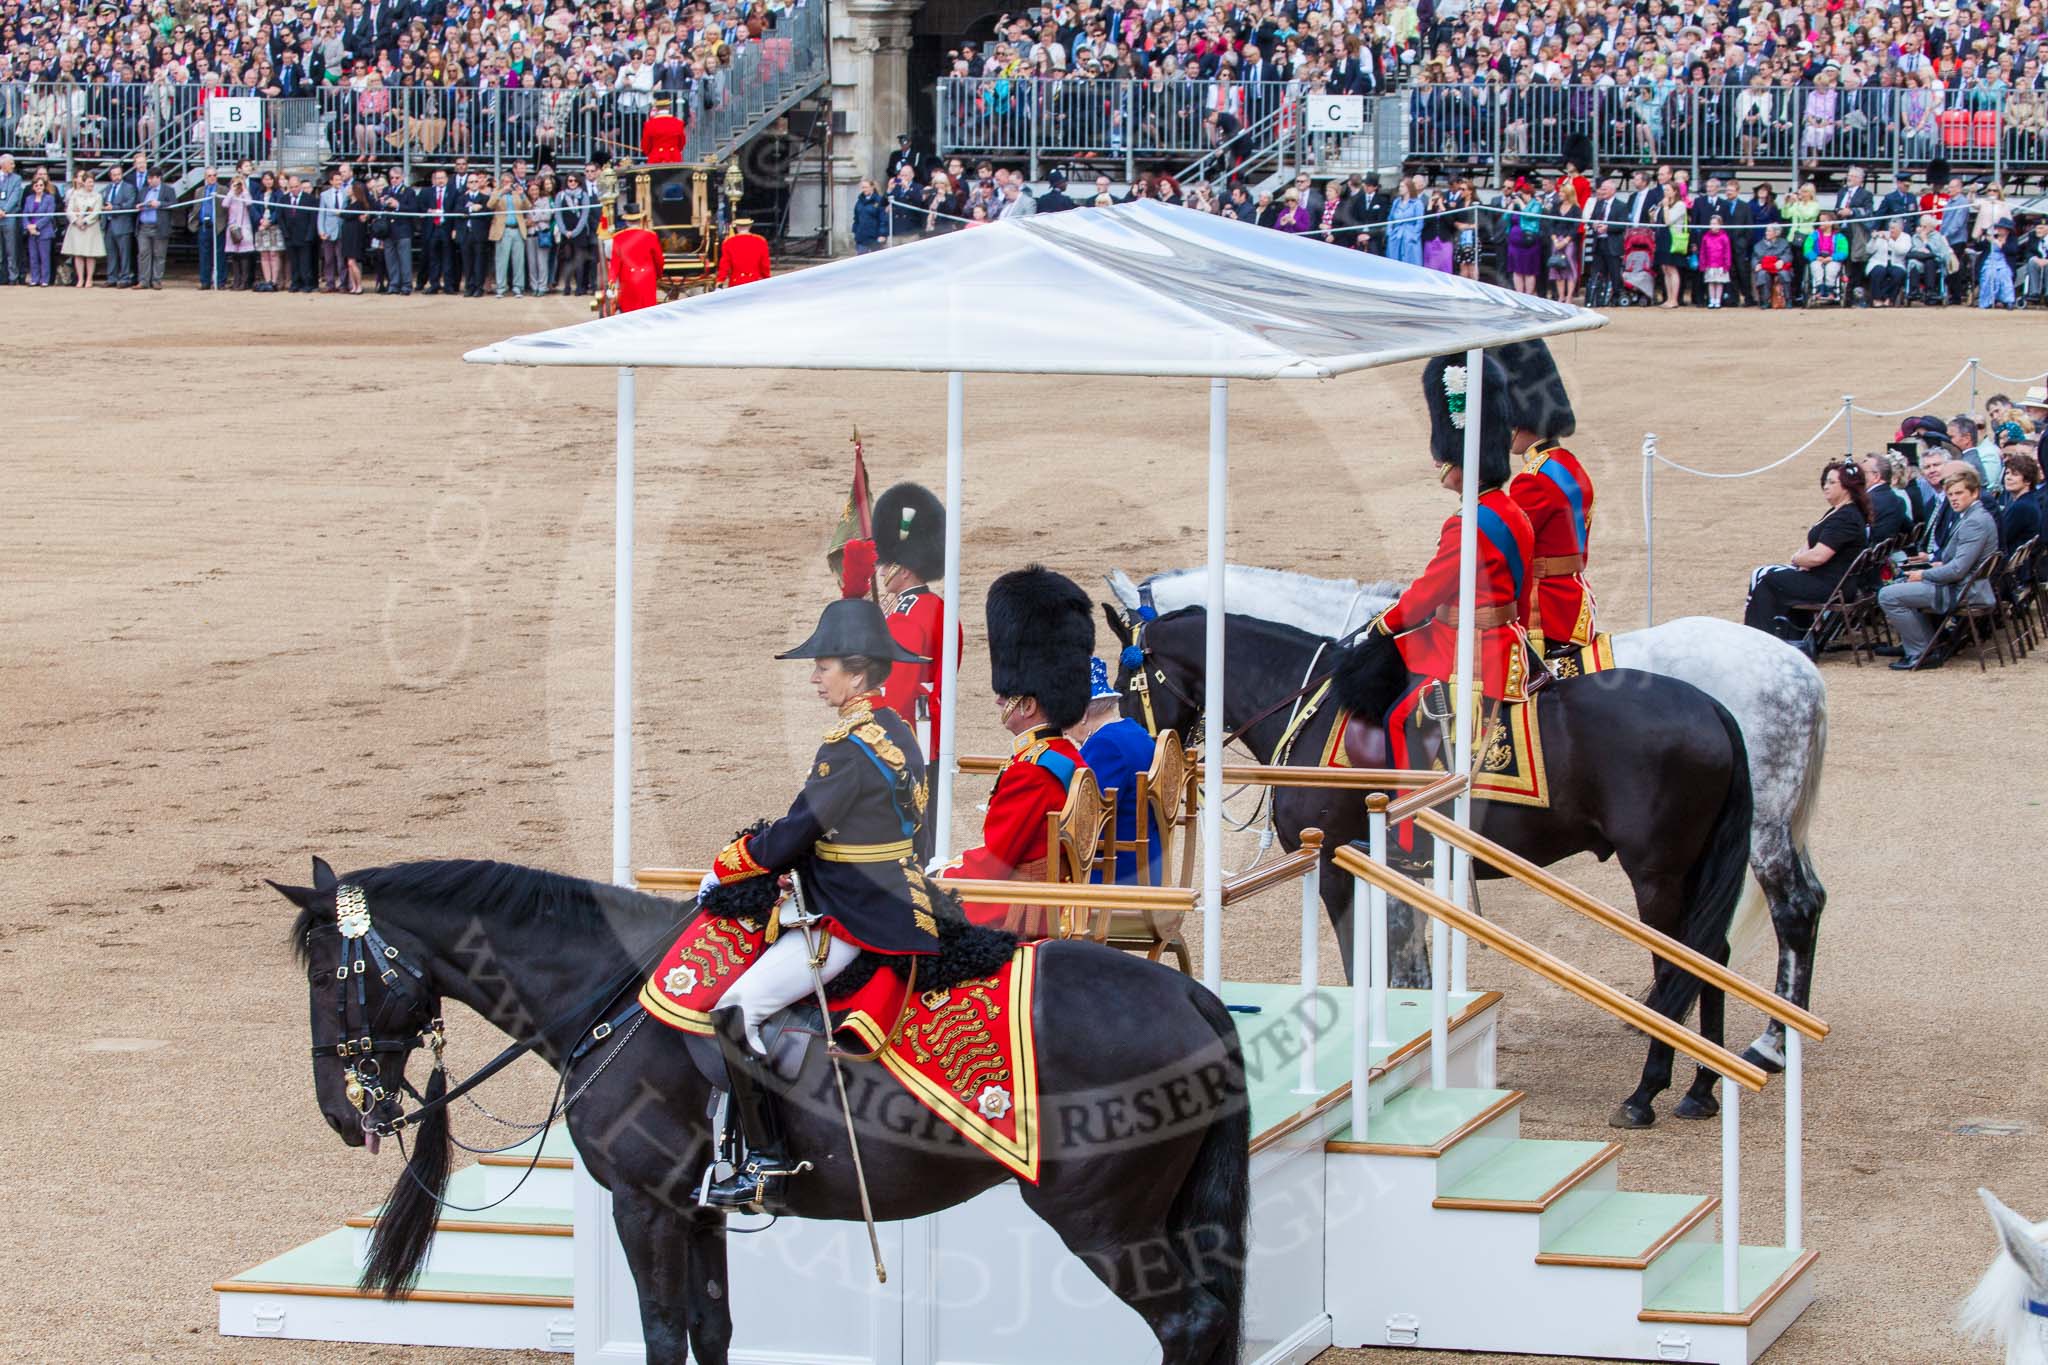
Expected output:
(860, 1175)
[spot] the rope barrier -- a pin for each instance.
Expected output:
(1920, 406)
(1760, 469)
(2015, 379)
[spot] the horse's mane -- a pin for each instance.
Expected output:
(505, 892)
(1321, 606)
(1288, 634)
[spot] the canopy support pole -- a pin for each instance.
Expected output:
(949, 650)
(1213, 694)
(622, 640)
(1468, 605)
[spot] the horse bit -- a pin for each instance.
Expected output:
(360, 1046)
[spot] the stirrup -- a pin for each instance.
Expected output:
(757, 1183)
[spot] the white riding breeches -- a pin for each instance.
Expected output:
(782, 976)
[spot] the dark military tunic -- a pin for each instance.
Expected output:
(856, 835)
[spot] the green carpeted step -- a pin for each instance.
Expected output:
(1696, 1292)
(1423, 1120)
(327, 1266)
(1627, 1229)
(1528, 1176)
(554, 1146)
(522, 1216)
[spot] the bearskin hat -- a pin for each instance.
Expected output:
(1444, 388)
(1536, 390)
(1041, 632)
(910, 529)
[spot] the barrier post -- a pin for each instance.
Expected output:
(1031, 117)
(1731, 1196)
(1376, 836)
(1361, 1009)
(1973, 386)
(1439, 971)
(1311, 970)
(622, 635)
(1849, 425)
(1649, 528)
(1795, 1139)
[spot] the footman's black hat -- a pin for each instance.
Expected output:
(853, 625)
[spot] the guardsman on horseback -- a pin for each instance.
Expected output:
(857, 840)
(909, 550)
(1424, 622)
(1555, 492)
(1041, 632)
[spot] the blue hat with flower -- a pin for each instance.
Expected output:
(1099, 686)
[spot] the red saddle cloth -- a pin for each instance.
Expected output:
(965, 1051)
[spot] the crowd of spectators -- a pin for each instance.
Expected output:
(1944, 522)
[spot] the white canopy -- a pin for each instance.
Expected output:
(1140, 289)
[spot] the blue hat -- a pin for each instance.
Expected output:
(1099, 686)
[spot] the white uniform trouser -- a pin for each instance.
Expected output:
(782, 976)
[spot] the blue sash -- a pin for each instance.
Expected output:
(1568, 484)
(1497, 534)
(893, 781)
(1058, 764)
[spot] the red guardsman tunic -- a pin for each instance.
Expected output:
(1032, 785)
(742, 259)
(918, 623)
(1424, 622)
(636, 268)
(1555, 492)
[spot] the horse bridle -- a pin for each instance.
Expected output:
(361, 1046)
(364, 949)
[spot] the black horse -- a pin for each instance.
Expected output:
(1644, 768)
(1156, 1210)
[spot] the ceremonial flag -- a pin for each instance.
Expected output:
(856, 519)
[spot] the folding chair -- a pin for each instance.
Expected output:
(2021, 590)
(1847, 607)
(1978, 618)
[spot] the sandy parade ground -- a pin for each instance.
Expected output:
(282, 576)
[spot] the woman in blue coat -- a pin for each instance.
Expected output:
(869, 218)
(1404, 225)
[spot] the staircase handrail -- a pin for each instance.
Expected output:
(1628, 926)
(1556, 971)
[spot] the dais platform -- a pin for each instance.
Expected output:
(1445, 1229)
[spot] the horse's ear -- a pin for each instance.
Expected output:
(302, 896)
(323, 875)
(1117, 625)
(2020, 1242)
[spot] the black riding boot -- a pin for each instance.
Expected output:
(758, 1174)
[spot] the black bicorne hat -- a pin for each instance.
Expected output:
(1041, 632)
(910, 529)
(1536, 390)
(853, 625)
(1445, 387)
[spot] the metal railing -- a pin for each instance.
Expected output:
(415, 126)
(1130, 121)
(1761, 130)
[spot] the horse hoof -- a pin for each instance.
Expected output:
(1762, 1060)
(1693, 1108)
(1632, 1116)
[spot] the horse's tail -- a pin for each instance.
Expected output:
(1208, 1225)
(1714, 884)
(405, 1227)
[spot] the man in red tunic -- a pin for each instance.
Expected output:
(1555, 492)
(743, 256)
(1423, 624)
(1041, 633)
(635, 269)
(908, 551)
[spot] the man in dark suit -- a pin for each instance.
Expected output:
(1055, 199)
(1366, 209)
(575, 235)
(119, 218)
(476, 236)
(441, 202)
(1606, 218)
(1742, 235)
(400, 201)
(1914, 607)
(1900, 204)
(1854, 207)
(301, 224)
(1254, 73)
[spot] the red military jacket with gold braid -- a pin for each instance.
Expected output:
(1032, 785)
(1556, 494)
(918, 623)
(1428, 641)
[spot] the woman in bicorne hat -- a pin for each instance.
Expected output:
(857, 840)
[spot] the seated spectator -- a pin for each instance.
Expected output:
(1915, 606)
(1827, 250)
(1117, 750)
(2019, 513)
(2033, 258)
(1929, 262)
(1773, 268)
(1832, 544)
(1885, 270)
(1890, 510)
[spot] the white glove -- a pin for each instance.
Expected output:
(704, 887)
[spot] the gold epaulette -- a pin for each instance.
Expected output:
(876, 738)
(853, 718)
